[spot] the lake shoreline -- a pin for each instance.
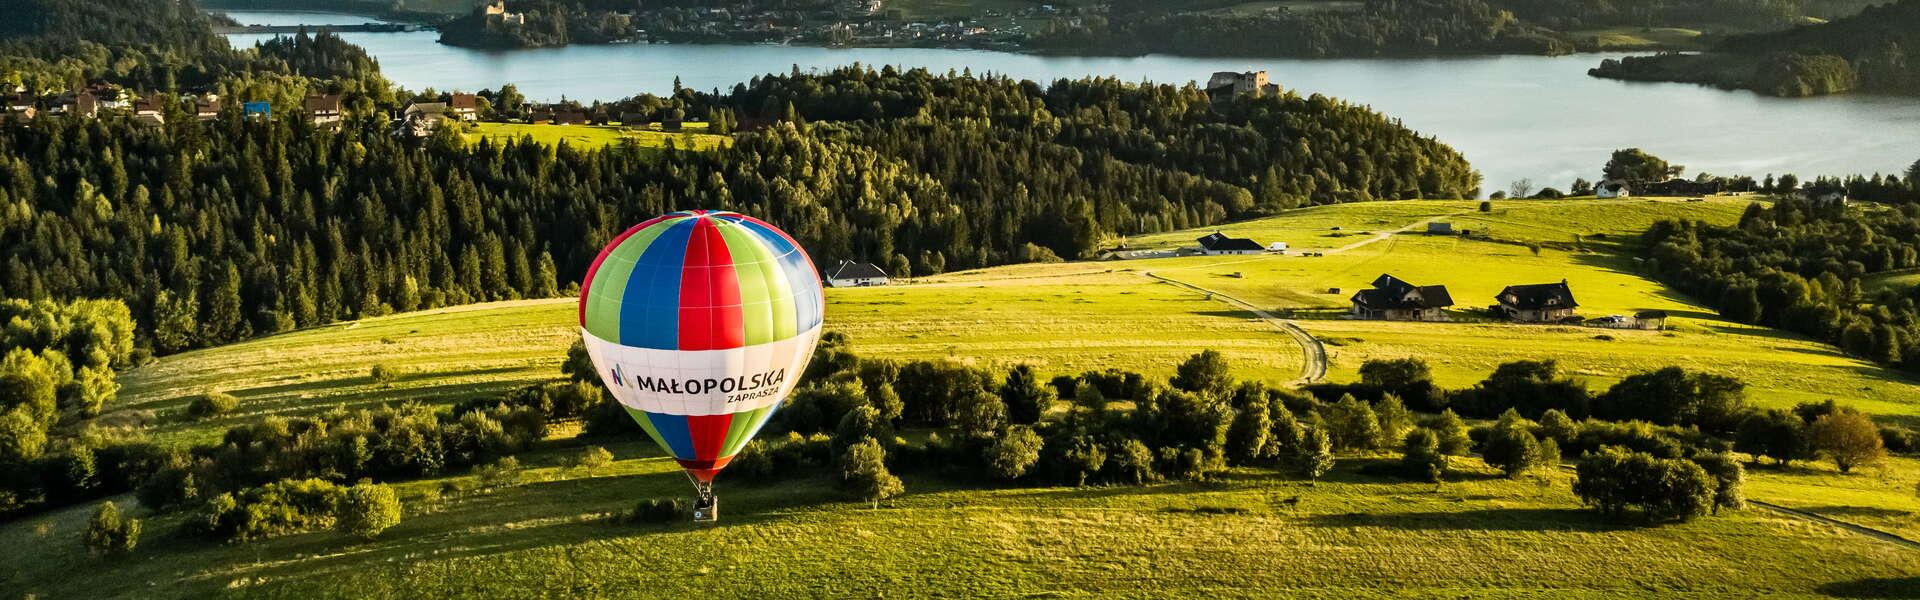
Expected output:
(1514, 116)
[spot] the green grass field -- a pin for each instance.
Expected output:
(600, 136)
(1351, 535)
(1782, 369)
(1899, 281)
(1641, 38)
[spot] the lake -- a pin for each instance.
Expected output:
(1513, 116)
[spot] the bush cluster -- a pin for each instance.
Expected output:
(294, 506)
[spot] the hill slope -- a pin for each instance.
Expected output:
(1251, 531)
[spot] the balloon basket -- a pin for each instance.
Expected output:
(706, 510)
(706, 506)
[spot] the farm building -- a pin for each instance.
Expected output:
(1394, 300)
(1440, 228)
(1650, 319)
(323, 109)
(1216, 243)
(76, 103)
(856, 274)
(1612, 188)
(206, 108)
(1537, 303)
(465, 107)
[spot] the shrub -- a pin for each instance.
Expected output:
(864, 475)
(595, 458)
(1676, 396)
(753, 463)
(1188, 464)
(383, 373)
(367, 509)
(657, 511)
(1316, 454)
(579, 365)
(1615, 479)
(607, 418)
(1204, 373)
(1511, 448)
(278, 508)
(1556, 425)
(1409, 378)
(500, 473)
(108, 534)
(1776, 434)
(1130, 462)
(1351, 424)
(1394, 420)
(1074, 458)
(211, 404)
(1729, 480)
(862, 422)
(1014, 453)
(1531, 387)
(1250, 436)
(1026, 398)
(1453, 438)
(1420, 455)
(1848, 438)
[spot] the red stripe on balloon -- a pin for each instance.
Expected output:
(709, 433)
(710, 317)
(587, 283)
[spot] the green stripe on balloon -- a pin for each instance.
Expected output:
(745, 424)
(762, 285)
(610, 281)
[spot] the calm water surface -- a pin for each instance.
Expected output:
(1514, 116)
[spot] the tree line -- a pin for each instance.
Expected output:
(1800, 265)
(216, 232)
(1872, 51)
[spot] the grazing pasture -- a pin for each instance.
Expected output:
(1476, 535)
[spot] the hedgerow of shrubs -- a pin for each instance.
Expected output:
(295, 506)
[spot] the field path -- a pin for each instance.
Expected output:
(1391, 232)
(1313, 367)
(1860, 529)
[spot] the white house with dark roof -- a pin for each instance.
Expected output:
(1392, 299)
(1216, 244)
(1537, 303)
(856, 274)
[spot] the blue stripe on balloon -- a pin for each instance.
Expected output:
(804, 282)
(650, 311)
(673, 429)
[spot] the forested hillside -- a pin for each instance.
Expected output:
(167, 45)
(1798, 266)
(216, 232)
(1877, 50)
(1379, 28)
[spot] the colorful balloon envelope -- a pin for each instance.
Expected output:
(700, 323)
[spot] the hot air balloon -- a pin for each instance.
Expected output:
(700, 323)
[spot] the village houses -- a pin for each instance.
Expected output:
(856, 274)
(1537, 303)
(1394, 300)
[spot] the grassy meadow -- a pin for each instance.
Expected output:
(599, 136)
(1252, 533)
(1481, 536)
(1578, 241)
